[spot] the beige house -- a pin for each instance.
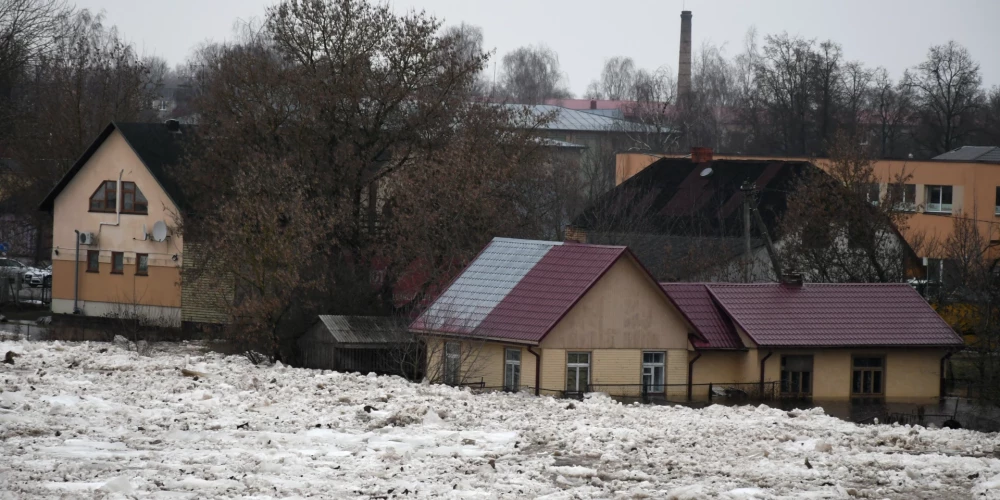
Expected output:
(115, 249)
(564, 318)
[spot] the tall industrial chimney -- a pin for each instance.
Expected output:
(684, 64)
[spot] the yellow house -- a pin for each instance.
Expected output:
(115, 250)
(565, 318)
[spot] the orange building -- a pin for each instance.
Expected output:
(935, 192)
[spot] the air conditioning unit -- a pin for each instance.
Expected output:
(87, 238)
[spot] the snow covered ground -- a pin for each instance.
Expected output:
(92, 420)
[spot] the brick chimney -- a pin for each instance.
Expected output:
(684, 64)
(593, 104)
(701, 155)
(792, 279)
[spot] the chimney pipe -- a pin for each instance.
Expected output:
(684, 64)
(701, 155)
(593, 104)
(792, 279)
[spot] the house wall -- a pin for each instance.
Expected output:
(481, 361)
(99, 292)
(909, 373)
(717, 367)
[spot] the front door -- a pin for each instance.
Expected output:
(512, 370)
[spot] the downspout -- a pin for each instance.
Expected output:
(941, 390)
(76, 276)
(118, 205)
(691, 373)
(769, 353)
(538, 368)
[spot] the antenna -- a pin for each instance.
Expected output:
(159, 231)
(706, 172)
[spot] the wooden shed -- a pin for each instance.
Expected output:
(363, 344)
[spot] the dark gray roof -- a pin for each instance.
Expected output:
(366, 329)
(157, 147)
(988, 154)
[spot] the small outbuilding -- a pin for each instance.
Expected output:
(364, 344)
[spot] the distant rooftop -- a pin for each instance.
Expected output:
(985, 154)
(571, 119)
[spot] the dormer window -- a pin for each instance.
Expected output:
(106, 196)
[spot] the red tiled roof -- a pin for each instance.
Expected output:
(695, 303)
(517, 289)
(833, 315)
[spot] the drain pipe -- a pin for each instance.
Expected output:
(691, 373)
(538, 368)
(769, 353)
(944, 359)
(118, 206)
(76, 275)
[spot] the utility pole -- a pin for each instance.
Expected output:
(747, 189)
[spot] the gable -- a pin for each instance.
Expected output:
(624, 309)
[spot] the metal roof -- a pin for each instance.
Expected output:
(365, 329)
(695, 303)
(517, 289)
(989, 154)
(833, 315)
(571, 119)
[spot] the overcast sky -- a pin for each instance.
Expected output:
(890, 33)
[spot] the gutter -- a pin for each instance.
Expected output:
(941, 389)
(538, 367)
(769, 353)
(691, 373)
(118, 206)
(76, 276)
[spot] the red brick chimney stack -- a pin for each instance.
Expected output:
(701, 155)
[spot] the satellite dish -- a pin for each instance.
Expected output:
(145, 234)
(706, 172)
(159, 231)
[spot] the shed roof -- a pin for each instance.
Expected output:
(833, 315)
(365, 329)
(695, 303)
(517, 289)
(157, 147)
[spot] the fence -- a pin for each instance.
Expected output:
(15, 291)
(652, 394)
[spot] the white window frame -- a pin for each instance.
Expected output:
(650, 370)
(512, 369)
(576, 367)
(939, 206)
(452, 363)
(905, 205)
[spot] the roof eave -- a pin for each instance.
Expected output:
(48, 203)
(469, 336)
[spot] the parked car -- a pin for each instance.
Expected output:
(10, 268)
(36, 277)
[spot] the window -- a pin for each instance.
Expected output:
(577, 372)
(117, 262)
(141, 264)
(512, 370)
(873, 193)
(105, 198)
(133, 202)
(997, 210)
(903, 196)
(938, 199)
(163, 104)
(653, 370)
(868, 377)
(796, 375)
(93, 261)
(452, 362)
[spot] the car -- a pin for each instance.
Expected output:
(36, 277)
(12, 269)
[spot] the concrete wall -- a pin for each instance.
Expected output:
(161, 288)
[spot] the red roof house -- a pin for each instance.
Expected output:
(565, 318)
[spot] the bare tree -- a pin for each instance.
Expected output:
(617, 81)
(531, 74)
(948, 95)
(892, 108)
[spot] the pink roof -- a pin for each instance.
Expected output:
(517, 289)
(833, 315)
(695, 303)
(585, 104)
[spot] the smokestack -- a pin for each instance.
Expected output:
(684, 64)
